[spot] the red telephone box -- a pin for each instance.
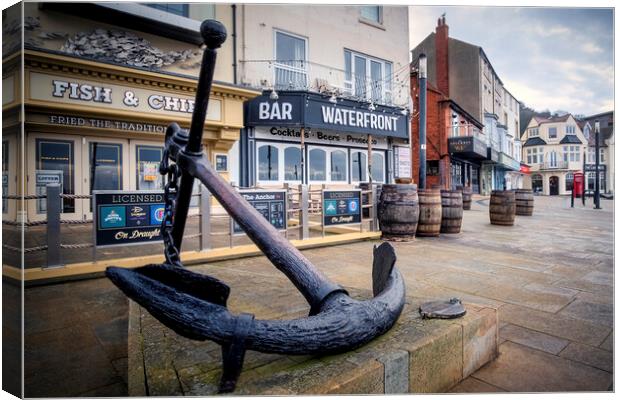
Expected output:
(578, 184)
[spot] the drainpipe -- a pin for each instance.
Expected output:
(422, 124)
(234, 41)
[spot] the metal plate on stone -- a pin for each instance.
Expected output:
(443, 309)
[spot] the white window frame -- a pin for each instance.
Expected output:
(350, 85)
(328, 164)
(533, 132)
(281, 147)
(380, 16)
(365, 152)
(549, 132)
(570, 129)
(277, 65)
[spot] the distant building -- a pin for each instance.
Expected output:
(606, 151)
(554, 149)
(464, 72)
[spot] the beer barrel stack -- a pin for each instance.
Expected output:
(525, 202)
(398, 212)
(502, 207)
(451, 211)
(429, 222)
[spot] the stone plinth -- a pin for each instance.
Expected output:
(416, 356)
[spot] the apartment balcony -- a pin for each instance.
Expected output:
(508, 162)
(553, 165)
(465, 131)
(319, 78)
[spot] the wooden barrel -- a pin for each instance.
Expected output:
(467, 192)
(451, 211)
(398, 212)
(525, 202)
(502, 207)
(429, 223)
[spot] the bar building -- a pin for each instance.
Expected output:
(335, 95)
(463, 73)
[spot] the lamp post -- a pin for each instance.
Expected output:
(422, 125)
(597, 186)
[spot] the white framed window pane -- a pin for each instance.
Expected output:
(377, 168)
(358, 166)
(360, 76)
(267, 163)
(372, 13)
(376, 79)
(388, 82)
(338, 159)
(348, 77)
(318, 164)
(292, 164)
(290, 66)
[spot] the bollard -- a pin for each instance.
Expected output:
(572, 197)
(54, 204)
(205, 218)
(304, 226)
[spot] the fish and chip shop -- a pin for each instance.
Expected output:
(310, 138)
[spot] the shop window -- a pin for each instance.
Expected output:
(5, 175)
(358, 166)
(106, 162)
(267, 163)
(378, 168)
(318, 165)
(292, 164)
(56, 157)
(338, 160)
(173, 8)
(372, 13)
(290, 65)
(537, 183)
(569, 181)
(147, 173)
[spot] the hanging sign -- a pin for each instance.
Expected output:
(342, 207)
(271, 204)
(122, 217)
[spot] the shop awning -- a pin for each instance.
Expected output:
(313, 110)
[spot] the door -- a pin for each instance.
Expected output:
(554, 186)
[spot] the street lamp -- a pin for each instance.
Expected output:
(597, 187)
(422, 124)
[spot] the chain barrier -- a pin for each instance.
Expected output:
(75, 196)
(76, 246)
(17, 223)
(25, 249)
(27, 197)
(76, 221)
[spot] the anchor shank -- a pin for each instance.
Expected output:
(311, 282)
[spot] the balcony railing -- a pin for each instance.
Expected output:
(314, 77)
(465, 130)
(554, 165)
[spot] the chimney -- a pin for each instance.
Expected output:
(441, 56)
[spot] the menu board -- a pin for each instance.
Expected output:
(124, 217)
(271, 204)
(402, 161)
(341, 207)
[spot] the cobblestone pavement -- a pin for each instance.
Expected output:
(550, 276)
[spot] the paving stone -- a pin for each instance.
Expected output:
(589, 355)
(601, 314)
(608, 344)
(533, 339)
(600, 278)
(535, 299)
(523, 369)
(554, 324)
(473, 385)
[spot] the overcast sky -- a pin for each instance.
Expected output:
(548, 58)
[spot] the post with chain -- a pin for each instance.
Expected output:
(54, 203)
(373, 208)
(205, 218)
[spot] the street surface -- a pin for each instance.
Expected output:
(550, 276)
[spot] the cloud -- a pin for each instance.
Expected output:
(591, 48)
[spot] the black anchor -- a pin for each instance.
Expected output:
(194, 305)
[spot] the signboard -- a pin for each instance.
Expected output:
(341, 207)
(492, 154)
(271, 204)
(310, 110)
(319, 136)
(592, 167)
(42, 179)
(221, 162)
(468, 145)
(122, 217)
(402, 161)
